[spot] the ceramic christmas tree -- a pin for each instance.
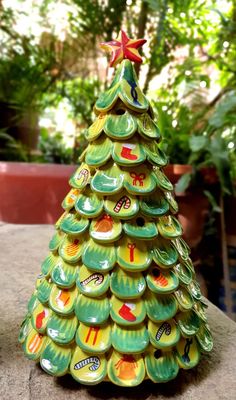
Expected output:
(117, 297)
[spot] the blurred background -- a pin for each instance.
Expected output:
(51, 72)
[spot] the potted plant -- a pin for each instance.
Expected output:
(32, 192)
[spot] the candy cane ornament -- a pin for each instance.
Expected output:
(123, 202)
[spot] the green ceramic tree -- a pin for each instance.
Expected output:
(117, 297)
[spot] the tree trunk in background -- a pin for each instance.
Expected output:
(157, 43)
(142, 21)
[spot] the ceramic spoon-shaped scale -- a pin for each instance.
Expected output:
(117, 297)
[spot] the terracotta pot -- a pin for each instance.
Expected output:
(209, 175)
(32, 193)
(193, 210)
(193, 205)
(175, 171)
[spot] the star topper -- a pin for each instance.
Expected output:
(123, 48)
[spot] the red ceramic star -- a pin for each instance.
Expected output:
(123, 47)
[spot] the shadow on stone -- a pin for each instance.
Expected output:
(107, 390)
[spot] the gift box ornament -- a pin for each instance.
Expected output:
(117, 298)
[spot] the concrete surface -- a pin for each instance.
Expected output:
(22, 250)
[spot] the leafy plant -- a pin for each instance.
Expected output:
(212, 147)
(54, 150)
(189, 41)
(11, 149)
(80, 95)
(175, 130)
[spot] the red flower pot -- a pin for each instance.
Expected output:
(32, 193)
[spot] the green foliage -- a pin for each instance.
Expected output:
(81, 95)
(11, 149)
(192, 52)
(214, 148)
(23, 81)
(53, 149)
(224, 114)
(25, 75)
(183, 183)
(213, 151)
(212, 201)
(197, 143)
(195, 129)
(100, 18)
(24, 67)
(175, 138)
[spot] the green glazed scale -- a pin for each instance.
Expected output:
(117, 298)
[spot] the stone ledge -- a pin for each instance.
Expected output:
(23, 248)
